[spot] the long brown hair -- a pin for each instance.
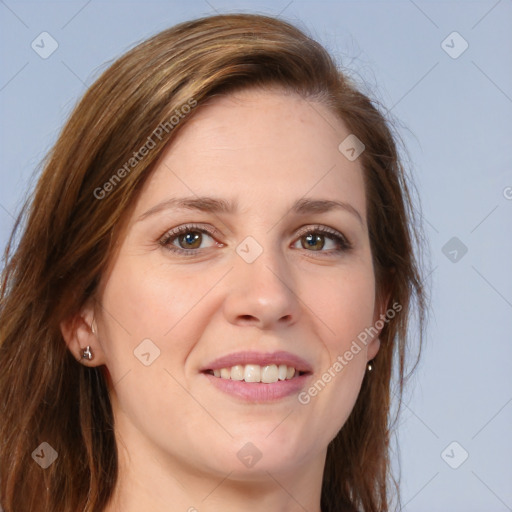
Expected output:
(69, 232)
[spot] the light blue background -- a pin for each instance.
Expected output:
(456, 119)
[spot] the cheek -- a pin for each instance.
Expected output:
(148, 299)
(148, 309)
(145, 301)
(342, 304)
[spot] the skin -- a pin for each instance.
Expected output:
(177, 434)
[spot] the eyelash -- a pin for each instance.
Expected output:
(338, 238)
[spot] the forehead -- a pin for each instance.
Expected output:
(259, 146)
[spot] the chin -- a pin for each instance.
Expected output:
(255, 454)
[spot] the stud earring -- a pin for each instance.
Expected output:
(87, 353)
(369, 366)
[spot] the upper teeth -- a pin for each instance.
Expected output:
(256, 373)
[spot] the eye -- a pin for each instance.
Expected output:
(187, 239)
(318, 238)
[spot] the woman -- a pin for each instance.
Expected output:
(212, 287)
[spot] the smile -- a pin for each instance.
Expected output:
(256, 373)
(259, 377)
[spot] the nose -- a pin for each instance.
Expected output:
(262, 293)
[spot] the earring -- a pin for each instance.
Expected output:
(86, 353)
(369, 366)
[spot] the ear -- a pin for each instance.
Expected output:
(379, 321)
(79, 332)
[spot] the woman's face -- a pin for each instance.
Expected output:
(267, 277)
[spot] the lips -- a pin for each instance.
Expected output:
(256, 373)
(261, 359)
(257, 376)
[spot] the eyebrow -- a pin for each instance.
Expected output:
(302, 206)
